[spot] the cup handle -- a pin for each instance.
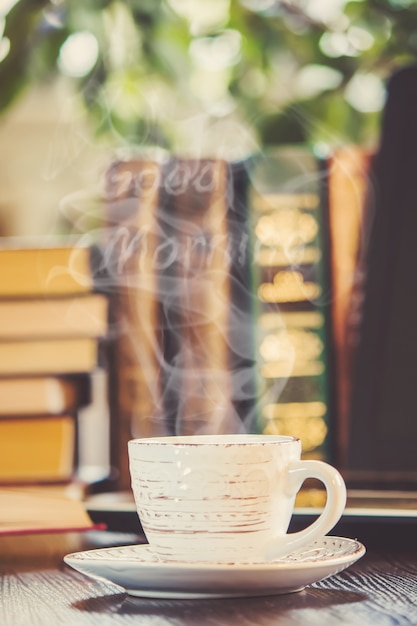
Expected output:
(298, 472)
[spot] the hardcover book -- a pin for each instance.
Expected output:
(37, 449)
(37, 395)
(46, 509)
(52, 356)
(347, 174)
(183, 356)
(39, 270)
(291, 246)
(72, 316)
(383, 427)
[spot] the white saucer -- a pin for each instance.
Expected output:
(141, 574)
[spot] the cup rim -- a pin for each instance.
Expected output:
(227, 439)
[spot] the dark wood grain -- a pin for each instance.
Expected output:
(38, 589)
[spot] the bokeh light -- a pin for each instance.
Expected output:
(78, 54)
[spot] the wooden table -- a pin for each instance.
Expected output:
(38, 589)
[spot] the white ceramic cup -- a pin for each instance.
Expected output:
(226, 498)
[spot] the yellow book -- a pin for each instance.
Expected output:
(37, 449)
(34, 271)
(81, 316)
(53, 356)
(36, 395)
(39, 509)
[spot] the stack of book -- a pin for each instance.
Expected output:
(51, 324)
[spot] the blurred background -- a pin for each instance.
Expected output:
(84, 80)
(88, 83)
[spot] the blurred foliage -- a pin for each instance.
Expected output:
(170, 70)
